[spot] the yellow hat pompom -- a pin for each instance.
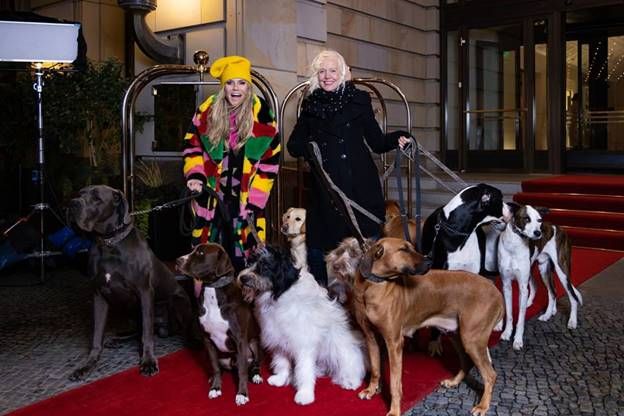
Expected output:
(230, 67)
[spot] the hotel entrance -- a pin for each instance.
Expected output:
(539, 93)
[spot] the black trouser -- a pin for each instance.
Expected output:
(316, 263)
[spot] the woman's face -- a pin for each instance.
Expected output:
(329, 74)
(236, 90)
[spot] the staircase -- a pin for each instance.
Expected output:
(590, 208)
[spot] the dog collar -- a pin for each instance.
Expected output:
(116, 238)
(516, 230)
(442, 224)
(221, 282)
(371, 277)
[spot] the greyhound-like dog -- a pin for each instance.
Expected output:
(395, 294)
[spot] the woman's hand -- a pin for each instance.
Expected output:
(404, 141)
(194, 185)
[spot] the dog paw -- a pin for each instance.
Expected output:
(517, 344)
(304, 397)
(278, 380)
(572, 323)
(214, 393)
(79, 375)
(349, 384)
(448, 383)
(478, 411)
(256, 379)
(506, 335)
(149, 368)
(435, 348)
(545, 316)
(368, 393)
(241, 400)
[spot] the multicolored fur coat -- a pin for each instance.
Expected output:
(209, 164)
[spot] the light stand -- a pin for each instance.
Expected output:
(39, 43)
(42, 206)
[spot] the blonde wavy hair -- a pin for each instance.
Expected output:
(220, 119)
(343, 69)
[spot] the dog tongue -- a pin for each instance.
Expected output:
(198, 286)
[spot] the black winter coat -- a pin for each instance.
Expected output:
(348, 162)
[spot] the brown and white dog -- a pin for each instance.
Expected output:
(526, 240)
(232, 333)
(294, 228)
(395, 293)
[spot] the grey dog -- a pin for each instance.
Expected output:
(125, 273)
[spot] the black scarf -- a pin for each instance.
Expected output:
(324, 104)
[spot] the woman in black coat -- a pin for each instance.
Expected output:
(340, 119)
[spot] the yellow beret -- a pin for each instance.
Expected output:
(230, 67)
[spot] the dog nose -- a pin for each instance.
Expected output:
(74, 205)
(245, 279)
(537, 233)
(284, 228)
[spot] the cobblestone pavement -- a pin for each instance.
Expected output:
(559, 371)
(45, 334)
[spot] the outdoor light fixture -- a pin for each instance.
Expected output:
(43, 45)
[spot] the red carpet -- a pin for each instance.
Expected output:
(182, 386)
(590, 207)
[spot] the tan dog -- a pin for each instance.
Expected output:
(393, 226)
(394, 296)
(294, 228)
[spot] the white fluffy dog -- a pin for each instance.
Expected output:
(307, 333)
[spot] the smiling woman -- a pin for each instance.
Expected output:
(231, 147)
(340, 119)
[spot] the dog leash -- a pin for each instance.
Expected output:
(341, 201)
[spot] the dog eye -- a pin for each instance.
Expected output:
(527, 219)
(297, 219)
(540, 220)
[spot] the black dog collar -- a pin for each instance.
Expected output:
(117, 236)
(221, 282)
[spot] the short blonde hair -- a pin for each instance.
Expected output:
(343, 69)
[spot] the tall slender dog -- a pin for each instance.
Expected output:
(526, 240)
(395, 294)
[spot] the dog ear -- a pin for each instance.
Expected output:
(379, 251)
(509, 209)
(366, 263)
(303, 227)
(542, 210)
(119, 201)
(285, 275)
(224, 265)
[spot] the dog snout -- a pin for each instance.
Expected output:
(246, 279)
(180, 261)
(284, 228)
(74, 206)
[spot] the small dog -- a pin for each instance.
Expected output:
(125, 272)
(396, 293)
(307, 333)
(393, 227)
(294, 228)
(526, 240)
(226, 318)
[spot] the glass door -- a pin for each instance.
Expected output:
(495, 113)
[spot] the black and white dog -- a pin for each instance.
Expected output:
(454, 235)
(307, 334)
(458, 236)
(526, 240)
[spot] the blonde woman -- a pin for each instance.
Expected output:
(340, 119)
(233, 148)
